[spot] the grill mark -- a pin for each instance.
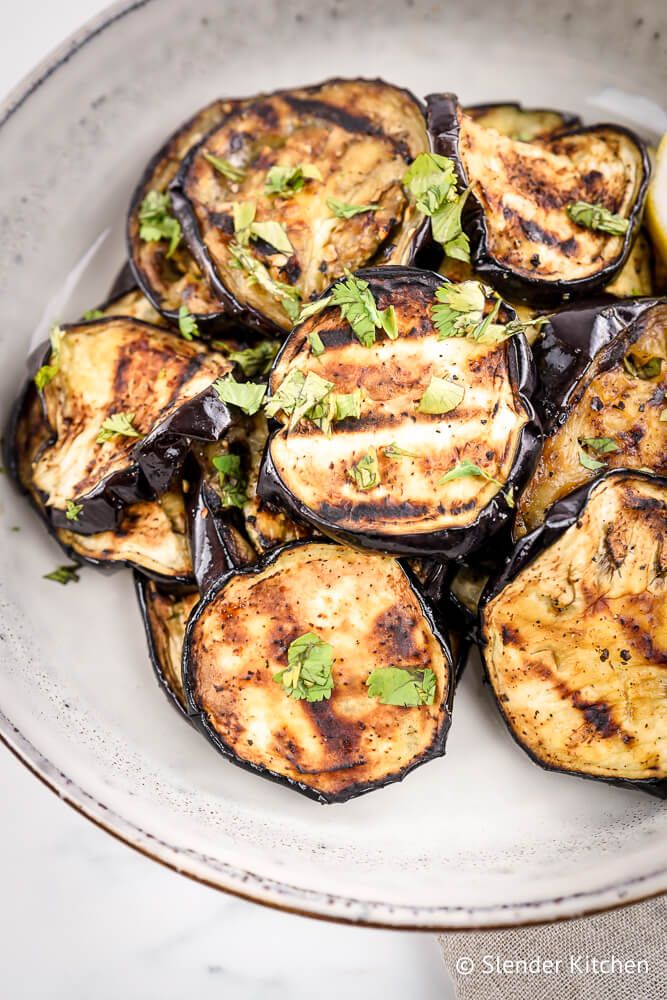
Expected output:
(370, 511)
(394, 631)
(346, 120)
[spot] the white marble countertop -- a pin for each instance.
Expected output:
(83, 916)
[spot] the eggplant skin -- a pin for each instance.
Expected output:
(522, 124)
(522, 240)
(306, 472)
(604, 401)
(120, 365)
(574, 634)
(360, 135)
(151, 535)
(164, 613)
(335, 749)
(169, 283)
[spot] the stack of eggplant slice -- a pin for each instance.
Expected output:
(381, 378)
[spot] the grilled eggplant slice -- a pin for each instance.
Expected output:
(318, 170)
(171, 279)
(522, 238)
(151, 535)
(609, 412)
(100, 374)
(574, 634)
(522, 124)
(165, 614)
(375, 478)
(346, 744)
(635, 279)
(132, 303)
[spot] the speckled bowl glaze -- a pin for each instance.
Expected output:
(477, 839)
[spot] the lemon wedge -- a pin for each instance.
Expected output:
(656, 202)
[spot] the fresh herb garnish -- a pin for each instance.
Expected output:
(357, 305)
(644, 370)
(343, 210)
(589, 463)
(227, 169)
(313, 308)
(287, 295)
(231, 481)
(254, 360)
(404, 687)
(246, 228)
(393, 451)
(316, 345)
(117, 425)
(466, 468)
(156, 221)
(286, 181)
(441, 396)
(307, 676)
(64, 574)
(460, 312)
(431, 180)
(602, 445)
(365, 474)
(248, 396)
(48, 372)
(348, 404)
(72, 510)
(93, 314)
(187, 324)
(597, 217)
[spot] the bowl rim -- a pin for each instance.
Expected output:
(228, 876)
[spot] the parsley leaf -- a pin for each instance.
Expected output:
(307, 676)
(316, 345)
(227, 169)
(644, 370)
(231, 481)
(187, 324)
(156, 221)
(254, 360)
(273, 233)
(297, 395)
(366, 473)
(467, 468)
(431, 180)
(348, 404)
(393, 451)
(357, 305)
(248, 396)
(602, 445)
(72, 510)
(92, 314)
(441, 396)
(460, 312)
(589, 463)
(598, 218)
(64, 574)
(243, 214)
(286, 181)
(287, 295)
(343, 210)
(401, 686)
(313, 308)
(48, 372)
(117, 425)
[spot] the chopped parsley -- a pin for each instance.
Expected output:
(598, 218)
(224, 167)
(393, 451)
(287, 295)
(441, 396)
(466, 468)
(231, 480)
(248, 396)
(357, 305)
(602, 445)
(72, 510)
(253, 360)
(64, 574)
(431, 180)
(187, 324)
(406, 687)
(343, 210)
(307, 676)
(348, 404)
(246, 228)
(365, 474)
(460, 312)
(48, 372)
(313, 308)
(117, 425)
(644, 370)
(589, 463)
(316, 345)
(156, 222)
(93, 314)
(287, 181)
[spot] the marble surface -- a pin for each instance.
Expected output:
(84, 916)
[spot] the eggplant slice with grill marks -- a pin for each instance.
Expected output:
(316, 170)
(170, 277)
(150, 536)
(574, 634)
(440, 432)
(522, 124)
(238, 641)
(522, 237)
(165, 614)
(605, 385)
(123, 400)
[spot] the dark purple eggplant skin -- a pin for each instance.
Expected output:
(438, 750)
(446, 613)
(235, 312)
(452, 543)
(571, 340)
(141, 587)
(561, 516)
(443, 126)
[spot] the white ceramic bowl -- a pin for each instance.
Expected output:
(482, 837)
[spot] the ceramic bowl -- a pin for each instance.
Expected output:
(479, 838)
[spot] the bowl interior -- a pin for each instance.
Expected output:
(480, 837)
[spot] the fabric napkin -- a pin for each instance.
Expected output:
(621, 955)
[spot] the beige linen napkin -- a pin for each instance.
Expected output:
(621, 955)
